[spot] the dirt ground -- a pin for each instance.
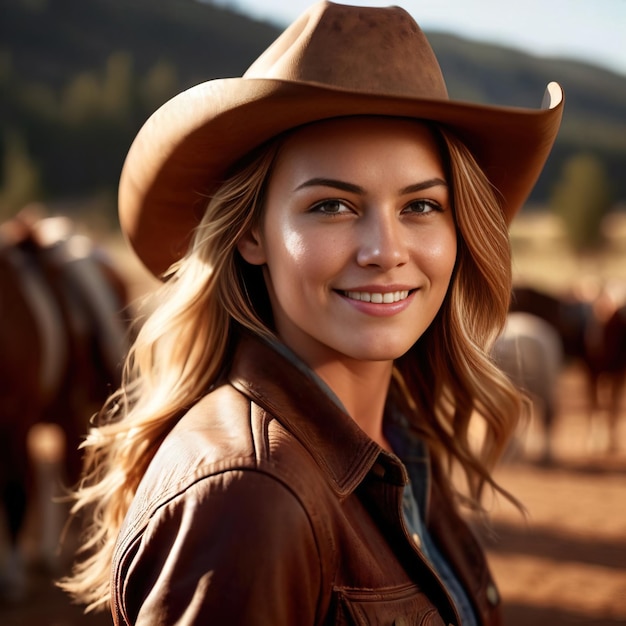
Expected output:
(564, 565)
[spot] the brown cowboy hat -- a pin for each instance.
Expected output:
(335, 60)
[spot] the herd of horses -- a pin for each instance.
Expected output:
(65, 323)
(545, 332)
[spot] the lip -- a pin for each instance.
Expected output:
(377, 308)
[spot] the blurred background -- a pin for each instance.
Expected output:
(77, 81)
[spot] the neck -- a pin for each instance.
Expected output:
(362, 388)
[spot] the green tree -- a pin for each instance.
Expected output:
(20, 176)
(117, 86)
(159, 84)
(81, 100)
(582, 197)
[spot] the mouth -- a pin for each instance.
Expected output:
(378, 297)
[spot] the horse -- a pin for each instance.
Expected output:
(530, 352)
(610, 365)
(65, 324)
(569, 315)
(590, 330)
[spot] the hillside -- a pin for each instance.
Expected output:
(79, 78)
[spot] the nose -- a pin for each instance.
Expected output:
(382, 242)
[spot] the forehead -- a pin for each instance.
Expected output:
(335, 140)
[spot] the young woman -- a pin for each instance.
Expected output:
(331, 231)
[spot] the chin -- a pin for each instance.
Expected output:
(383, 353)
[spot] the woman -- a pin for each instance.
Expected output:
(331, 232)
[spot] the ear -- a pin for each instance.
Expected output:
(251, 247)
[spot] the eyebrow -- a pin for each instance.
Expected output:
(352, 188)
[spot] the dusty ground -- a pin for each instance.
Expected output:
(565, 565)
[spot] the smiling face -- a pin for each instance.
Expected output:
(357, 239)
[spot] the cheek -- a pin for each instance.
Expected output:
(438, 255)
(288, 253)
(299, 254)
(292, 261)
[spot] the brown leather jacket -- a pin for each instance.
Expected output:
(267, 505)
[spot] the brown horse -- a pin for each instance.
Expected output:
(613, 370)
(592, 334)
(64, 323)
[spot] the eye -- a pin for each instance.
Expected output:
(330, 207)
(423, 206)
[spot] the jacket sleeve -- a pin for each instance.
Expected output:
(234, 548)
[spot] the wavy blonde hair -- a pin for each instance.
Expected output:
(184, 344)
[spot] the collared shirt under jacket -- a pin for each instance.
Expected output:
(266, 505)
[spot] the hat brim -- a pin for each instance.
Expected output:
(184, 149)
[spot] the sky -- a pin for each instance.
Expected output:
(587, 30)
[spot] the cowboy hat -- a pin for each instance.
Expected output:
(335, 60)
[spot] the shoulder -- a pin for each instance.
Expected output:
(223, 432)
(243, 526)
(223, 447)
(216, 506)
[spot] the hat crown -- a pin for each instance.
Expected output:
(371, 50)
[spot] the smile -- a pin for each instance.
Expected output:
(377, 298)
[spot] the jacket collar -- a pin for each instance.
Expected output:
(280, 383)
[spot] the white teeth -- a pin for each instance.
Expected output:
(378, 298)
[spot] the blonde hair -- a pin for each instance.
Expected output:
(184, 344)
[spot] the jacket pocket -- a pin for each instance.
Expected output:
(406, 605)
